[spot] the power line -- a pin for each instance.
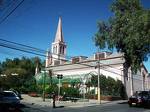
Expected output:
(41, 51)
(25, 50)
(9, 53)
(8, 5)
(87, 66)
(3, 45)
(31, 52)
(38, 50)
(7, 45)
(11, 12)
(28, 47)
(20, 44)
(102, 68)
(32, 48)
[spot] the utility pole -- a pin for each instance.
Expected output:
(99, 91)
(44, 86)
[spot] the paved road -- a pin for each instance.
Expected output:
(115, 107)
(32, 104)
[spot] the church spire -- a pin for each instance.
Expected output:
(59, 33)
(58, 49)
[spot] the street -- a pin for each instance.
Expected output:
(101, 108)
(36, 104)
(32, 104)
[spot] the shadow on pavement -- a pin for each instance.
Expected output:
(59, 106)
(11, 108)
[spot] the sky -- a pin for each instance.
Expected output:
(34, 23)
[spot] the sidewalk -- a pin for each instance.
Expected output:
(48, 102)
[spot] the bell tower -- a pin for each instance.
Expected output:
(58, 48)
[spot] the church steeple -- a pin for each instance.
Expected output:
(59, 33)
(59, 46)
(58, 49)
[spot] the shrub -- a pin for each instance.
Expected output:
(52, 88)
(109, 86)
(70, 92)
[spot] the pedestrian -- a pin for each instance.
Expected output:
(54, 96)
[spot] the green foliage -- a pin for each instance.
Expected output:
(92, 92)
(94, 80)
(70, 92)
(52, 88)
(128, 30)
(67, 91)
(48, 79)
(74, 82)
(120, 88)
(109, 86)
(25, 68)
(103, 82)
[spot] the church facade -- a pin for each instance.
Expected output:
(83, 67)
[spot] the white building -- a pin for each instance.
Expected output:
(111, 64)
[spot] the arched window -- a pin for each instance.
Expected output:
(63, 50)
(60, 50)
(56, 49)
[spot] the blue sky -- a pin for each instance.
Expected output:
(34, 23)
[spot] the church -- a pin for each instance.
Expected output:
(83, 67)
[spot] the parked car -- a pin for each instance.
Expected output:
(17, 93)
(147, 102)
(9, 98)
(140, 98)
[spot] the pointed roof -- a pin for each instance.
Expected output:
(59, 33)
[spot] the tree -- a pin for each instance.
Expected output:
(110, 86)
(24, 67)
(37, 64)
(128, 31)
(94, 80)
